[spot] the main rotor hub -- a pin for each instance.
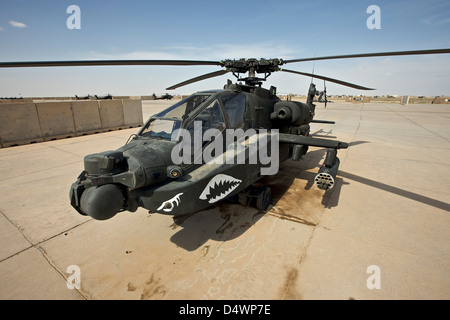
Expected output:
(252, 66)
(259, 66)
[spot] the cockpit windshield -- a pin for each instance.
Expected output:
(183, 108)
(162, 124)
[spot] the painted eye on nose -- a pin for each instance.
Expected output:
(167, 206)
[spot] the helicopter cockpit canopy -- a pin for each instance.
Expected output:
(163, 124)
(214, 110)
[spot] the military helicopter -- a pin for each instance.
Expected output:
(94, 97)
(145, 173)
(323, 95)
(163, 97)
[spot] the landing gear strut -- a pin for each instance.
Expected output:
(262, 196)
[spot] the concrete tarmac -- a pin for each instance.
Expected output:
(381, 233)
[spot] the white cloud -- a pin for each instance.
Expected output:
(231, 51)
(214, 52)
(16, 24)
(1, 28)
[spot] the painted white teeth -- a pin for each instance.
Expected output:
(217, 180)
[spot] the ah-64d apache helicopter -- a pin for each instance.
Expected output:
(144, 172)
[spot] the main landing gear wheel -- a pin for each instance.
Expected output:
(264, 198)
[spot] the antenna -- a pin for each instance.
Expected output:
(314, 64)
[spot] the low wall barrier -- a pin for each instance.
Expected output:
(24, 123)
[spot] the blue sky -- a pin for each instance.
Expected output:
(215, 30)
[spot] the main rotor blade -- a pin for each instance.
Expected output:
(347, 84)
(379, 54)
(199, 78)
(83, 63)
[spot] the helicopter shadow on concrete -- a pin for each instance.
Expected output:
(397, 191)
(293, 198)
(323, 134)
(222, 222)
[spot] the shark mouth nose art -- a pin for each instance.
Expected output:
(219, 187)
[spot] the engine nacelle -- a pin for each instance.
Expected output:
(293, 112)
